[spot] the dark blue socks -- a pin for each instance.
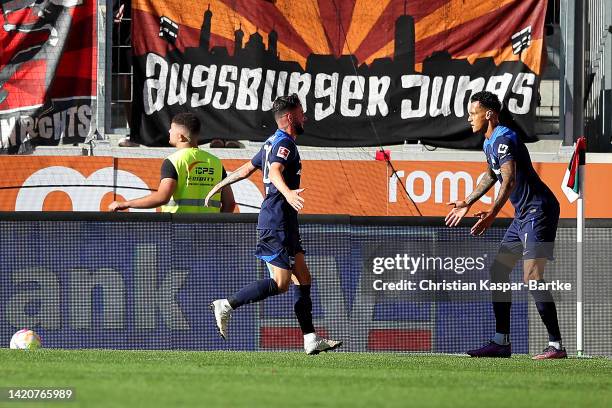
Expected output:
(502, 301)
(303, 307)
(254, 292)
(502, 317)
(265, 288)
(548, 312)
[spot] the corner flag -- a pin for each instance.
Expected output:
(571, 184)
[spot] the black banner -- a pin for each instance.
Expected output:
(350, 100)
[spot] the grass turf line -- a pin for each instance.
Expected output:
(114, 378)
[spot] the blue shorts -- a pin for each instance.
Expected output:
(533, 235)
(279, 247)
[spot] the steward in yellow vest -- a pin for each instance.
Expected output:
(187, 176)
(196, 172)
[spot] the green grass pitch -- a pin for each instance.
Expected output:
(112, 378)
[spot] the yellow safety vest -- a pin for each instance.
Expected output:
(198, 172)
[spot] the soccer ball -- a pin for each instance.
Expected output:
(25, 339)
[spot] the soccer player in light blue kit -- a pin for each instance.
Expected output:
(279, 243)
(531, 234)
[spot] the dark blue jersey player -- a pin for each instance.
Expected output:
(276, 212)
(532, 233)
(279, 243)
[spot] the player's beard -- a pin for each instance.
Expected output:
(299, 128)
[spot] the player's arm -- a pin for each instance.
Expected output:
(508, 172)
(227, 200)
(293, 196)
(487, 181)
(158, 198)
(461, 207)
(241, 173)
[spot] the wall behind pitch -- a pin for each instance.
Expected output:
(353, 187)
(146, 284)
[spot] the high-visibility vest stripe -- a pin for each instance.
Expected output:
(193, 202)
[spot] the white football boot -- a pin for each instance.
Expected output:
(319, 344)
(222, 311)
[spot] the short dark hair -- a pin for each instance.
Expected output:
(283, 104)
(189, 120)
(488, 100)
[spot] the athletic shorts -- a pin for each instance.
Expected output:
(533, 235)
(279, 247)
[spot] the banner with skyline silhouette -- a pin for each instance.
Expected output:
(368, 73)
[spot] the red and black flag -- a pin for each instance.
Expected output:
(574, 175)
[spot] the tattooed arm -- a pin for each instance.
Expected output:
(461, 207)
(241, 173)
(508, 172)
(487, 181)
